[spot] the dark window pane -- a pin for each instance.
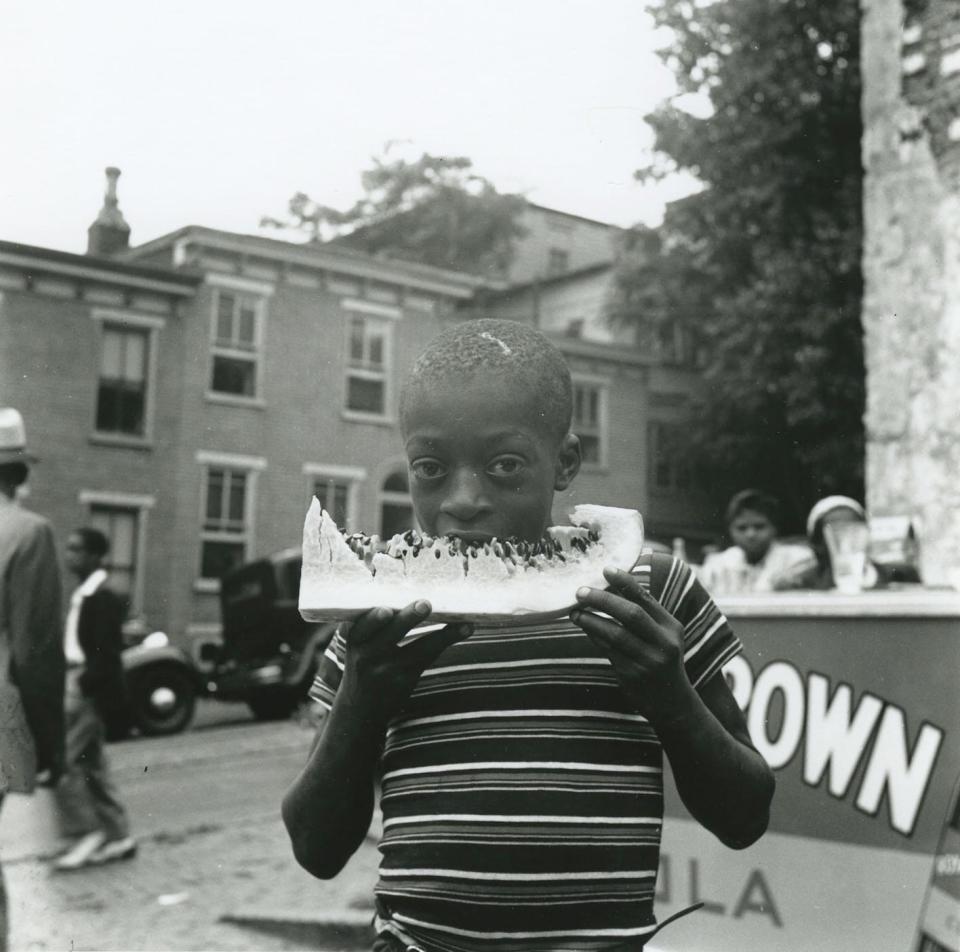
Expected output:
(356, 340)
(108, 407)
(214, 497)
(233, 375)
(247, 325)
(395, 518)
(589, 448)
(120, 407)
(365, 395)
(131, 411)
(218, 558)
(238, 487)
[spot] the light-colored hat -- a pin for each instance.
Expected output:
(13, 438)
(827, 505)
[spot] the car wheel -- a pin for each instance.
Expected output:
(162, 700)
(274, 707)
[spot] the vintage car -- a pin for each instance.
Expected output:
(266, 658)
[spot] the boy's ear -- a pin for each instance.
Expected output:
(568, 462)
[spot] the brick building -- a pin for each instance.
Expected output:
(189, 395)
(555, 243)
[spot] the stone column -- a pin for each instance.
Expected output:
(910, 61)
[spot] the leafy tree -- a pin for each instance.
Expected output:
(761, 267)
(434, 210)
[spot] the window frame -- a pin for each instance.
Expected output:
(251, 466)
(259, 292)
(385, 316)
(602, 429)
(150, 327)
(353, 476)
(129, 502)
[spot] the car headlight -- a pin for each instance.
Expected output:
(156, 639)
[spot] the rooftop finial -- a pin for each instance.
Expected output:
(109, 233)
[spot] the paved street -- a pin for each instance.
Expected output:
(214, 870)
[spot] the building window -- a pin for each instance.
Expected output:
(122, 388)
(335, 487)
(590, 420)
(558, 262)
(235, 343)
(669, 465)
(368, 364)
(396, 509)
(224, 542)
(122, 518)
(120, 527)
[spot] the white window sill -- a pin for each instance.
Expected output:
(119, 439)
(357, 416)
(207, 586)
(232, 400)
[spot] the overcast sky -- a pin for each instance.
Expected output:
(217, 112)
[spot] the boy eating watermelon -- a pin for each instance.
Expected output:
(520, 767)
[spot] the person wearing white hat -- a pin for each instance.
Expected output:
(818, 573)
(32, 662)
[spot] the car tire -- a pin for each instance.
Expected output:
(162, 700)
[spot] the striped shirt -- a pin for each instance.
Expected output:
(522, 794)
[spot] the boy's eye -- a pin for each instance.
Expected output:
(427, 469)
(506, 466)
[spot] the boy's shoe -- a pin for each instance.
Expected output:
(124, 848)
(81, 853)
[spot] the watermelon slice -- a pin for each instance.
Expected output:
(496, 582)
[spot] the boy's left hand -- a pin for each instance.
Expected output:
(643, 641)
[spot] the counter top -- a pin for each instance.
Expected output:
(905, 602)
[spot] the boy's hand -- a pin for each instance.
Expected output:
(643, 641)
(379, 673)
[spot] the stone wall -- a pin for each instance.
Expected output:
(911, 316)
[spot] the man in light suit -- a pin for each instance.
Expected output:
(31, 635)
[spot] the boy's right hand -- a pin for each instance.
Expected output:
(380, 673)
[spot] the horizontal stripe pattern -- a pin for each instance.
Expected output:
(522, 794)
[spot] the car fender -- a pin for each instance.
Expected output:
(138, 657)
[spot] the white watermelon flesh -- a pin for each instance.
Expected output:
(493, 582)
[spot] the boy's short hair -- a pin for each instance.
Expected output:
(499, 346)
(94, 541)
(756, 500)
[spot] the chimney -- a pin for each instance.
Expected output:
(109, 233)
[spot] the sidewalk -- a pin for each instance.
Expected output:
(233, 888)
(214, 868)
